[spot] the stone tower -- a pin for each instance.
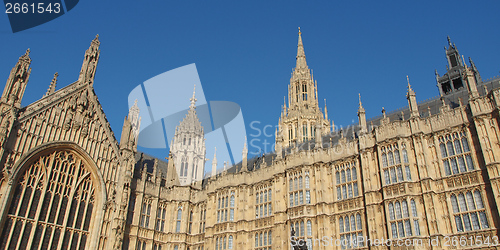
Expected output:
(452, 80)
(188, 147)
(303, 118)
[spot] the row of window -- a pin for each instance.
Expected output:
(399, 216)
(296, 183)
(395, 174)
(347, 181)
(263, 240)
(455, 153)
(298, 228)
(297, 198)
(222, 242)
(223, 210)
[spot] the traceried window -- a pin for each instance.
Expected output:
(145, 214)
(52, 204)
(395, 164)
(455, 153)
(299, 193)
(263, 240)
(263, 202)
(351, 229)
(160, 218)
(346, 179)
(469, 211)
(403, 222)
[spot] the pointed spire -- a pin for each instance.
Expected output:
(214, 163)
(412, 100)
(326, 111)
(135, 119)
(301, 55)
(16, 83)
(361, 116)
(90, 61)
(360, 104)
(449, 41)
(52, 87)
(193, 99)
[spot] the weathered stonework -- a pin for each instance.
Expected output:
(430, 171)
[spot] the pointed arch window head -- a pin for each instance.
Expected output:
(56, 188)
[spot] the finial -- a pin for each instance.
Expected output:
(359, 96)
(408, 80)
(383, 112)
(28, 52)
(449, 41)
(436, 73)
(299, 31)
(193, 99)
(135, 102)
(52, 87)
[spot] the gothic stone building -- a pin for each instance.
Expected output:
(427, 172)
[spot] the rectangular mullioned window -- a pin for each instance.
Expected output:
(303, 232)
(263, 240)
(225, 208)
(160, 218)
(402, 222)
(263, 202)
(299, 189)
(203, 217)
(394, 169)
(145, 214)
(469, 211)
(346, 179)
(351, 229)
(455, 153)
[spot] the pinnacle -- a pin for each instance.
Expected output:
(301, 56)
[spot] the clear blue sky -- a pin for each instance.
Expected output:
(245, 50)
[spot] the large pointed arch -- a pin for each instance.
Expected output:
(55, 189)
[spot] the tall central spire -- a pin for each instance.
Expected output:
(303, 119)
(301, 55)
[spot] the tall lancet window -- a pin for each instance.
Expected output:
(304, 92)
(52, 204)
